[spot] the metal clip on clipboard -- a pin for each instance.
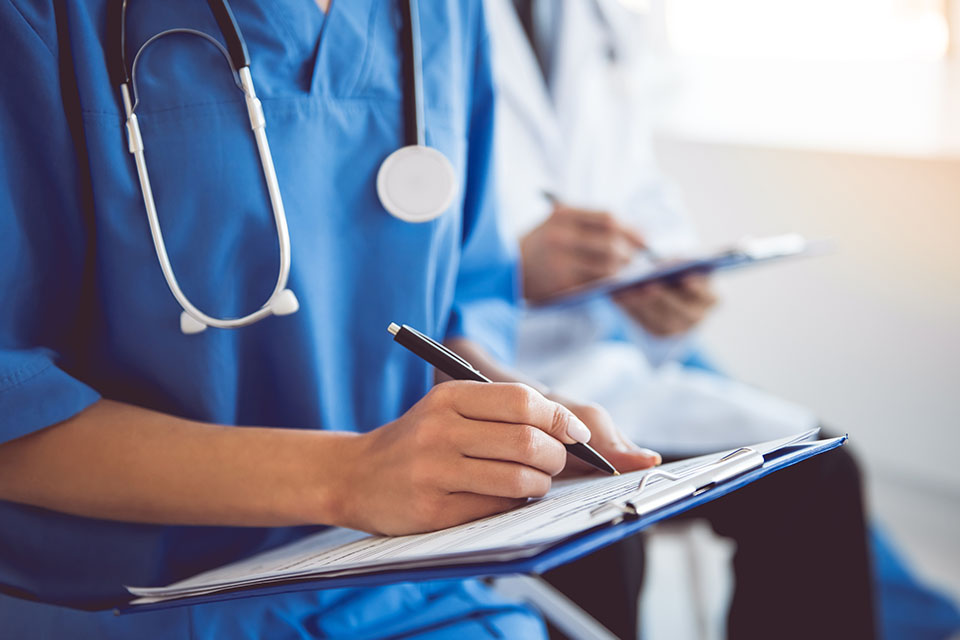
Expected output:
(687, 483)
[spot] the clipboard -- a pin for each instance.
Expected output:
(627, 516)
(747, 252)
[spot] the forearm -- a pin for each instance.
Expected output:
(120, 462)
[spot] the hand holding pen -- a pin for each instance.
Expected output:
(573, 247)
(457, 368)
(604, 219)
(464, 451)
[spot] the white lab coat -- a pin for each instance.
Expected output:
(587, 138)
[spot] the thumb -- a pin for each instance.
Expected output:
(627, 456)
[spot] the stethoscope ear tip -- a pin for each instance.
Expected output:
(190, 325)
(284, 303)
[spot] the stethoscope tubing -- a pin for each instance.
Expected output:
(257, 123)
(415, 119)
(244, 81)
(281, 301)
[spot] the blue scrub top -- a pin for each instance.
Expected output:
(87, 314)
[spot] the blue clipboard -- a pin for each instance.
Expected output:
(746, 253)
(561, 553)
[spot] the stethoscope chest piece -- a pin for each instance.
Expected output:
(416, 183)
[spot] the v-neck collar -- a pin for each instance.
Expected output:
(342, 46)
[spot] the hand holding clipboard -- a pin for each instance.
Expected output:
(747, 252)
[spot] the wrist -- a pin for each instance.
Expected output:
(323, 477)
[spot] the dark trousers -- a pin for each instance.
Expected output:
(802, 566)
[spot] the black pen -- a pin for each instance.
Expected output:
(447, 361)
(554, 201)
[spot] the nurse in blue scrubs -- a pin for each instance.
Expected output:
(121, 460)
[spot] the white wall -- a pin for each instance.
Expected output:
(869, 336)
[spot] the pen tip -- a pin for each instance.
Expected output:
(615, 472)
(393, 328)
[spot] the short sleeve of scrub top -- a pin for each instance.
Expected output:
(86, 312)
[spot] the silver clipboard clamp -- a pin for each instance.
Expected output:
(685, 484)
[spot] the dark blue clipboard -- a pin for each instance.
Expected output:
(669, 272)
(561, 553)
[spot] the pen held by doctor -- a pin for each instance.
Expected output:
(457, 368)
(590, 218)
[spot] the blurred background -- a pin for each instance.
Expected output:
(839, 119)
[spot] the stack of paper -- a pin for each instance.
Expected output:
(571, 507)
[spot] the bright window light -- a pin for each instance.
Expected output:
(842, 30)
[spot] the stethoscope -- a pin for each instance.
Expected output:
(415, 183)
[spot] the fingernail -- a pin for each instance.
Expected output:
(650, 453)
(578, 431)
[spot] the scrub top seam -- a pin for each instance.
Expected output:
(441, 120)
(359, 80)
(284, 22)
(309, 100)
(51, 48)
(20, 377)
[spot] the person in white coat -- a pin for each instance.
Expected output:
(581, 194)
(573, 121)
